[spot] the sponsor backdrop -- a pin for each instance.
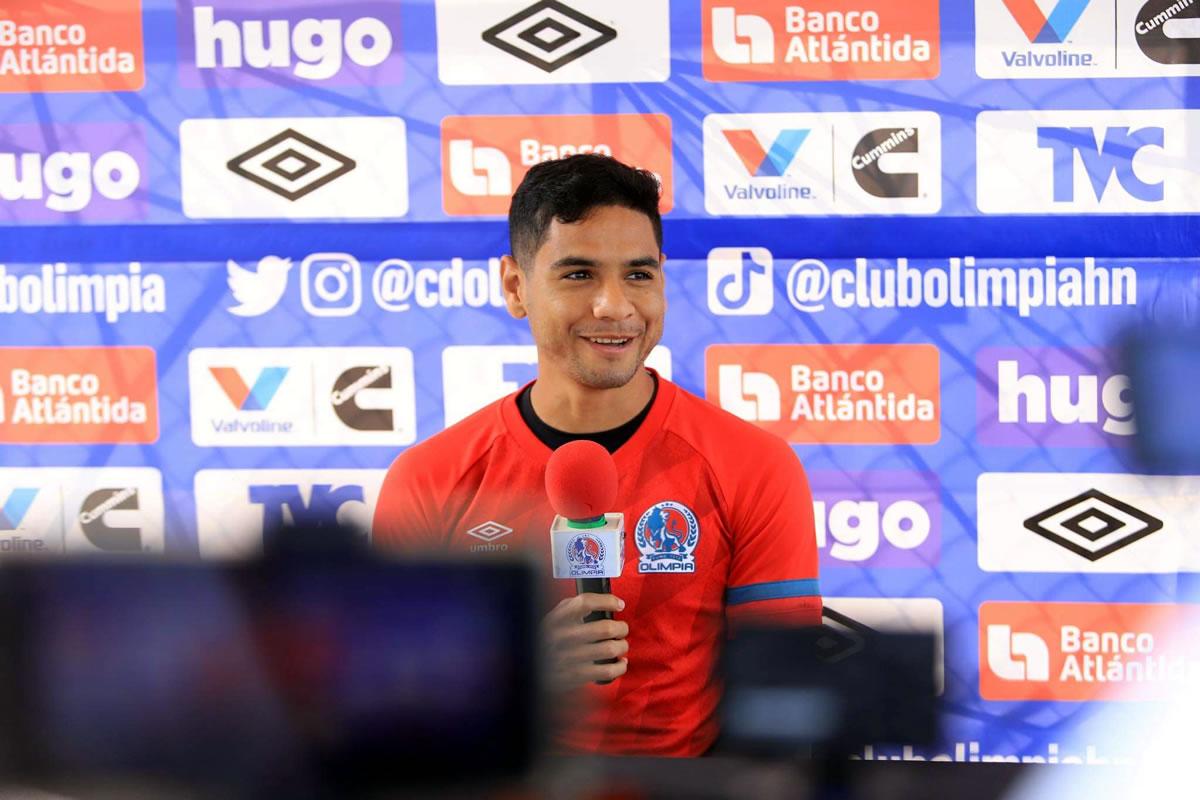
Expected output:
(250, 252)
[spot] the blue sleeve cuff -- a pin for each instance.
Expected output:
(776, 590)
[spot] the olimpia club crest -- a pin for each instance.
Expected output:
(585, 554)
(666, 536)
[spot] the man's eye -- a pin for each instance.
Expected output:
(641, 275)
(577, 275)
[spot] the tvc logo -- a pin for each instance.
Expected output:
(742, 38)
(285, 505)
(1136, 161)
(1102, 153)
(1017, 656)
(237, 509)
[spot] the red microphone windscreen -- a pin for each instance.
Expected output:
(581, 480)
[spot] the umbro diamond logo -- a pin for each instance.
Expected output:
(1093, 524)
(489, 531)
(291, 164)
(549, 35)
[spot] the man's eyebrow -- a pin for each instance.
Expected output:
(643, 262)
(573, 261)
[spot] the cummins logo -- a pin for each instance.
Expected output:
(549, 35)
(110, 537)
(1161, 30)
(871, 151)
(346, 395)
(1093, 524)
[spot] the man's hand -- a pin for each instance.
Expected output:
(574, 646)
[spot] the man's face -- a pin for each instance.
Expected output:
(594, 297)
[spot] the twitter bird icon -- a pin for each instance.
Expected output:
(258, 292)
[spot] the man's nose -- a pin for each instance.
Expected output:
(611, 302)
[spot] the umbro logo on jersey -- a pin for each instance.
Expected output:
(489, 531)
(549, 35)
(291, 164)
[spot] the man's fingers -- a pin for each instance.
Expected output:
(594, 651)
(590, 632)
(590, 601)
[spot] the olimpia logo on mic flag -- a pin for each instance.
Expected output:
(666, 535)
(585, 554)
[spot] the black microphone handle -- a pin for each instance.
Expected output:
(596, 586)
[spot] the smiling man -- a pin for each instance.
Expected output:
(719, 513)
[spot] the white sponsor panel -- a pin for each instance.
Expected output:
(1096, 39)
(260, 396)
(475, 375)
(1073, 162)
(235, 508)
(829, 163)
(294, 167)
(573, 41)
(1088, 522)
(1073, 47)
(897, 615)
(81, 510)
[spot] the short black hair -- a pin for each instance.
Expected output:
(568, 189)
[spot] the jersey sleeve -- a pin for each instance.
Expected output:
(773, 575)
(406, 508)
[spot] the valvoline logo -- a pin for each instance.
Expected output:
(1042, 28)
(667, 535)
(250, 398)
(16, 507)
(766, 163)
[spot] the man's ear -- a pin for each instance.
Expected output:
(512, 282)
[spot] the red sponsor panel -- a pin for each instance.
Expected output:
(821, 40)
(830, 394)
(78, 395)
(1087, 651)
(485, 158)
(81, 46)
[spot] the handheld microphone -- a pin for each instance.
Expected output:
(586, 542)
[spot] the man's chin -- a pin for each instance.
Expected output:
(609, 377)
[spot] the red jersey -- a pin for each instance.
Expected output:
(718, 526)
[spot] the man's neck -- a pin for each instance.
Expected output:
(566, 406)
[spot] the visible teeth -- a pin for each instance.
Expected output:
(610, 341)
